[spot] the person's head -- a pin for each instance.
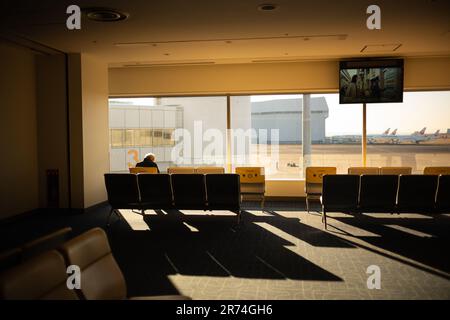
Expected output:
(355, 78)
(150, 156)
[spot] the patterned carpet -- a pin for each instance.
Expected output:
(281, 253)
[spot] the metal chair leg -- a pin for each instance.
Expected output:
(307, 204)
(325, 219)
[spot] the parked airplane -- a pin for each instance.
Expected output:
(415, 138)
(421, 132)
(393, 138)
(381, 138)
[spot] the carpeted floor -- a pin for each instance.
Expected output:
(281, 253)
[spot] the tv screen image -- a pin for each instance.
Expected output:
(365, 82)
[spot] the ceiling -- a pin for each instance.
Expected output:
(235, 31)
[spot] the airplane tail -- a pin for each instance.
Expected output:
(393, 133)
(437, 132)
(387, 131)
(422, 132)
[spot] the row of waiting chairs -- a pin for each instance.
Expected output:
(179, 170)
(314, 176)
(385, 194)
(253, 186)
(173, 191)
(397, 170)
(44, 276)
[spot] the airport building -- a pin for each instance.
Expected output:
(139, 130)
(348, 200)
(286, 115)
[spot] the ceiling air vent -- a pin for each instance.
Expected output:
(105, 14)
(167, 64)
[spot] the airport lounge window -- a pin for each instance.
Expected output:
(414, 133)
(179, 131)
(267, 132)
(336, 131)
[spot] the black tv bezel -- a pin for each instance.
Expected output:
(372, 63)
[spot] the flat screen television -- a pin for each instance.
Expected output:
(371, 81)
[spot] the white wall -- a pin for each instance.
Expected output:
(94, 78)
(89, 130)
(18, 129)
(312, 76)
(220, 79)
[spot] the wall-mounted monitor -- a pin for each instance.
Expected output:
(371, 81)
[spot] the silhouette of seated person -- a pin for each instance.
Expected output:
(149, 161)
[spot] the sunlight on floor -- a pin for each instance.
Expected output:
(409, 231)
(134, 220)
(259, 213)
(191, 228)
(291, 214)
(210, 213)
(397, 216)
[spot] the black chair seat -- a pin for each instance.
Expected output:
(122, 190)
(378, 193)
(155, 190)
(340, 192)
(417, 193)
(189, 191)
(223, 191)
(443, 194)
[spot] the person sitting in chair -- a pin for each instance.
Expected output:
(149, 161)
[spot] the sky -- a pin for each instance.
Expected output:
(429, 109)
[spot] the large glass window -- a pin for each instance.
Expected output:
(267, 132)
(274, 125)
(336, 131)
(179, 131)
(414, 133)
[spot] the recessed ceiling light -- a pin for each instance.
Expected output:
(267, 7)
(105, 14)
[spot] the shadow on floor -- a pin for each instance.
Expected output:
(423, 239)
(217, 247)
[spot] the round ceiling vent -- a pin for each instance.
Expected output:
(105, 14)
(267, 7)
